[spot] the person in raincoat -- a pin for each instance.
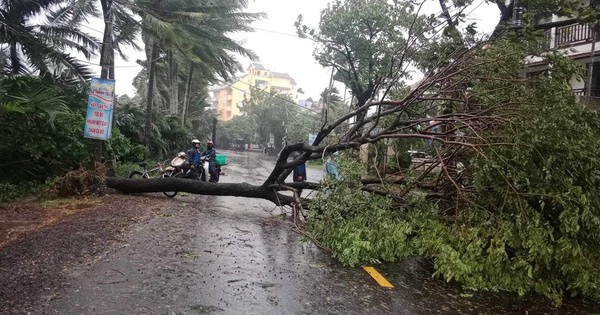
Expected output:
(330, 168)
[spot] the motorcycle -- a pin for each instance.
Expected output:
(176, 170)
(180, 168)
(204, 170)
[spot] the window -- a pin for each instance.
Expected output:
(261, 84)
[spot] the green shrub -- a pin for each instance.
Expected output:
(41, 127)
(124, 169)
(358, 227)
(13, 191)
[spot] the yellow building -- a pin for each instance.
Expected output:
(226, 99)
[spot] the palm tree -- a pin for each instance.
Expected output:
(212, 51)
(196, 31)
(331, 96)
(32, 46)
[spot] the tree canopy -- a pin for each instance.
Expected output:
(368, 43)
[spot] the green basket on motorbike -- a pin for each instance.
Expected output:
(221, 159)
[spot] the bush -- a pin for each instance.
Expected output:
(124, 169)
(358, 227)
(41, 136)
(13, 191)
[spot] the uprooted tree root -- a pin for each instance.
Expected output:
(79, 182)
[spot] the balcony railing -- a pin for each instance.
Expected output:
(543, 42)
(595, 92)
(573, 34)
(565, 36)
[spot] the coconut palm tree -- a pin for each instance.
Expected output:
(196, 30)
(34, 43)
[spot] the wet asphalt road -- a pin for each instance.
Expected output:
(229, 255)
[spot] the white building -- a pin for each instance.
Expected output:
(578, 41)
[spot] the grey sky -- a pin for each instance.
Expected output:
(279, 49)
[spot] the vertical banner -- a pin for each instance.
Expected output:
(98, 120)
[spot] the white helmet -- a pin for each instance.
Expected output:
(195, 141)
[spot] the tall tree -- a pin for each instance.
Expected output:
(267, 111)
(335, 107)
(365, 42)
(196, 30)
(34, 46)
(368, 43)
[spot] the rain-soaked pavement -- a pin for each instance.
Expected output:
(229, 255)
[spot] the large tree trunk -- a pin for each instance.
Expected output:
(173, 84)
(150, 93)
(506, 11)
(198, 187)
(187, 95)
(14, 58)
(107, 55)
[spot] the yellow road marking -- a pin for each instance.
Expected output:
(378, 277)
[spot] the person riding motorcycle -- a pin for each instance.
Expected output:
(194, 155)
(212, 165)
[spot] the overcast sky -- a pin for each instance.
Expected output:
(279, 48)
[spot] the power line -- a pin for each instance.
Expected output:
(95, 64)
(282, 33)
(477, 7)
(92, 29)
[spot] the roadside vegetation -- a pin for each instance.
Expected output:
(44, 88)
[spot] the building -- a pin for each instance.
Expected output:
(227, 99)
(578, 41)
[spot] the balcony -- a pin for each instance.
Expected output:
(565, 36)
(594, 92)
(573, 34)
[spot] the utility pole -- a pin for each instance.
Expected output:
(285, 131)
(214, 130)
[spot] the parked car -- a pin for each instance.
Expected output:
(421, 161)
(418, 156)
(238, 145)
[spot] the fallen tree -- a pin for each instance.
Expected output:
(198, 187)
(392, 119)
